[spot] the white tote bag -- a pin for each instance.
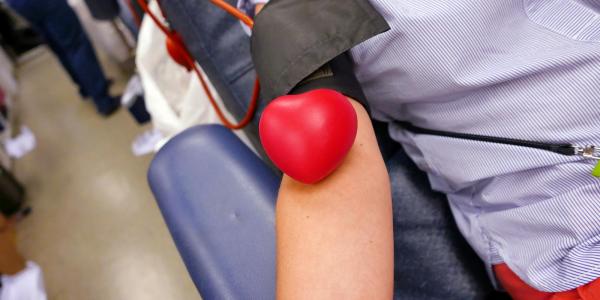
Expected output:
(174, 97)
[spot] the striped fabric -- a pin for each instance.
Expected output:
(526, 69)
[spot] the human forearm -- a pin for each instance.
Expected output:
(334, 238)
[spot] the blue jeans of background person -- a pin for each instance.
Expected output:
(432, 260)
(60, 27)
(127, 17)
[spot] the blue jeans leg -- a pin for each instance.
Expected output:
(61, 28)
(220, 45)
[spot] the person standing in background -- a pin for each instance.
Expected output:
(60, 27)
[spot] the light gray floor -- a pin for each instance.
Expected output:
(95, 228)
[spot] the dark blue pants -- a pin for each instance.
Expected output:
(60, 27)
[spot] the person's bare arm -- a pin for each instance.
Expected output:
(11, 261)
(334, 238)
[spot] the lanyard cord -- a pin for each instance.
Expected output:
(190, 61)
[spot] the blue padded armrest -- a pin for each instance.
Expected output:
(218, 200)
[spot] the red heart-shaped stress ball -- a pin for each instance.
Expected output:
(308, 135)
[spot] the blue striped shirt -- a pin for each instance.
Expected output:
(525, 69)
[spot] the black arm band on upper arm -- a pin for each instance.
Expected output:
(338, 75)
(291, 39)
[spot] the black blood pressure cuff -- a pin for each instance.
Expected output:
(338, 75)
(302, 45)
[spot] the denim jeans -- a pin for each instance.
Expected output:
(219, 44)
(58, 24)
(432, 260)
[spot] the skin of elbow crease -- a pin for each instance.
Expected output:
(334, 238)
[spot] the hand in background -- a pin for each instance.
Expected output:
(258, 8)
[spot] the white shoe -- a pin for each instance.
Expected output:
(24, 143)
(146, 142)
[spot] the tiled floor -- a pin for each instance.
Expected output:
(95, 228)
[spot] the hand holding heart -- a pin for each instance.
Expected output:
(308, 135)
